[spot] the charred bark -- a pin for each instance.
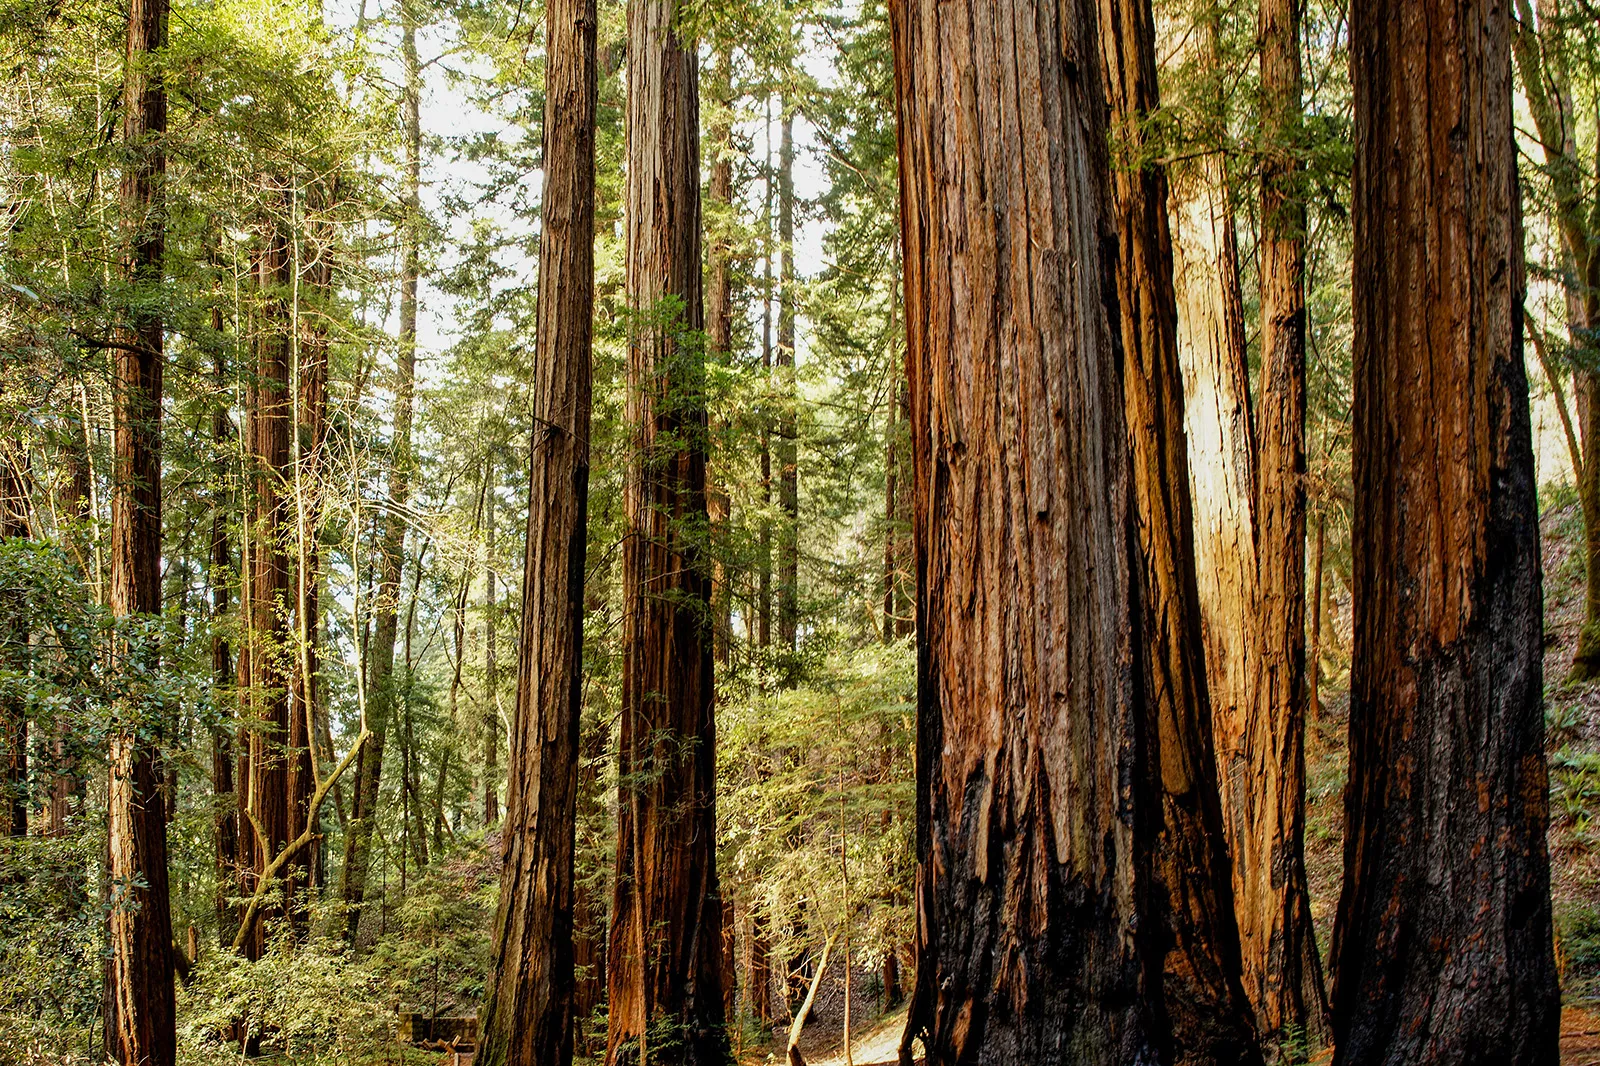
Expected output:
(1442, 946)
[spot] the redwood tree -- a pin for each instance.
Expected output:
(139, 994)
(1049, 774)
(528, 1013)
(1442, 949)
(666, 918)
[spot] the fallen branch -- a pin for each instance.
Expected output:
(799, 1023)
(294, 847)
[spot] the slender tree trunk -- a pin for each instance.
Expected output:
(220, 577)
(528, 1015)
(764, 579)
(311, 380)
(788, 423)
(1318, 620)
(891, 473)
(1266, 822)
(382, 691)
(1442, 947)
(1207, 1011)
(758, 971)
(265, 673)
(666, 914)
(139, 996)
(491, 661)
(14, 653)
(719, 325)
(1540, 50)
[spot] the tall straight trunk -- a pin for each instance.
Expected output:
(787, 430)
(666, 914)
(1265, 747)
(265, 674)
(528, 1015)
(139, 996)
(225, 823)
(719, 323)
(310, 372)
(1541, 53)
(382, 691)
(1049, 776)
(1442, 947)
(764, 578)
(15, 655)
(1207, 1011)
(891, 474)
(491, 660)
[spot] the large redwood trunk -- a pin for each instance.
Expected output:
(528, 1013)
(666, 917)
(139, 995)
(1049, 775)
(265, 674)
(1442, 948)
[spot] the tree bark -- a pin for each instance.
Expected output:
(719, 326)
(528, 1013)
(666, 915)
(139, 995)
(787, 430)
(220, 577)
(1207, 1011)
(491, 659)
(265, 674)
(382, 692)
(14, 653)
(1049, 777)
(1547, 87)
(1442, 946)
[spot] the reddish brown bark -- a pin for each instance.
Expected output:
(528, 1013)
(1072, 905)
(139, 996)
(1442, 947)
(666, 916)
(265, 662)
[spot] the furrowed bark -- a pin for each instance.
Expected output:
(1044, 783)
(528, 1013)
(139, 995)
(666, 915)
(1206, 1009)
(1442, 946)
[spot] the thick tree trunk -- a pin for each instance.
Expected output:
(1207, 1011)
(382, 692)
(528, 1013)
(666, 915)
(265, 671)
(1048, 776)
(139, 995)
(1442, 947)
